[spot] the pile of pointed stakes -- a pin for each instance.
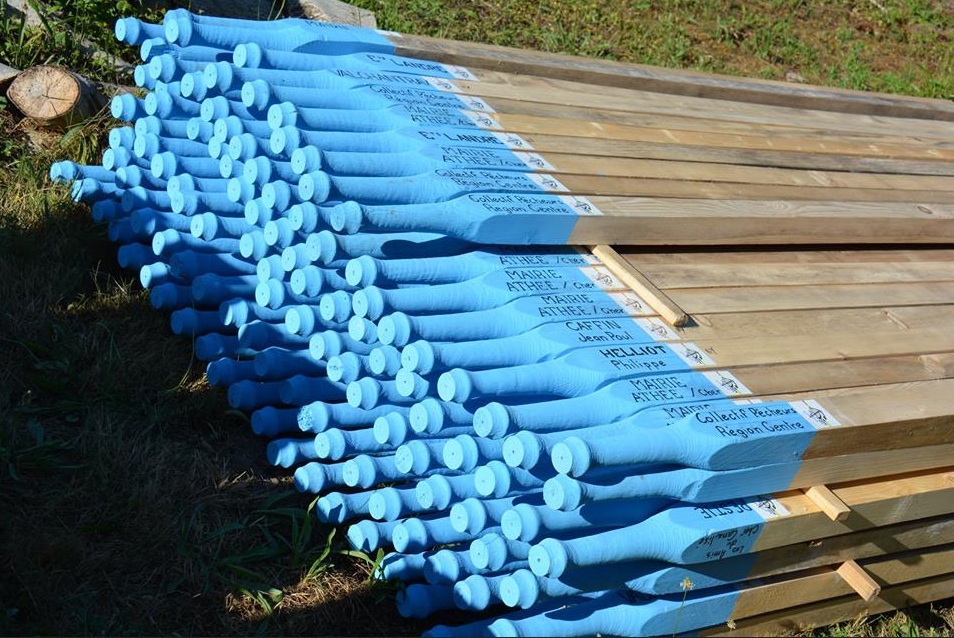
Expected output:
(402, 264)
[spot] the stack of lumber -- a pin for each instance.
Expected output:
(611, 349)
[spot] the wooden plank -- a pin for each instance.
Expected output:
(529, 124)
(678, 82)
(766, 298)
(846, 608)
(854, 545)
(661, 221)
(807, 379)
(516, 93)
(847, 344)
(596, 184)
(826, 584)
(873, 503)
(881, 320)
(756, 274)
(552, 142)
(661, 303)
(644, 257)
(578, 164)
(639, 112)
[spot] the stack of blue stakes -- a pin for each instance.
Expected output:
(492, 412)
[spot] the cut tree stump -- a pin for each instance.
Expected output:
(54, 96)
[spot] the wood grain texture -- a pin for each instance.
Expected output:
(678, 82)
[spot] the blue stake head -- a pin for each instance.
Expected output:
(113, 158)
(123, 107)
(489, 552)
(314, 417)
(278, 232)
(548, 558)
(571, 456)
(346, 367)
(410, 385)
(256, 94)
(522, 522)
(127, 30)
(361, 329)
(469, 515)
(442, 567)
(298, 216)
(162, 67)
(363, 393)
(325, 344)
(368, 303)
(234, 312)
(310, 478)
(418, 356)
(426, 416)
(364, 536)
(243, 147)
(385, 360)
(276, 195)
(146, 145)
(150, 47)
(493, 479)
(472, 593)
(384, 504)
(331, 508)
(247, 55)
(562, 493)
(492, 420)
(361, 271)
(314, 186)
(226, 128)
(335, 306)
(359, 472)
(148, 124)
(270, 294)
(191, 86)
(283, 114)
(239, 190)
(304, 159)
(213, 108)
(299, 321)
(523, 449)
(395, 330)
(63, 172)
(122, 137)
(183, 183)
(410, 536)
(285, 140)
(455, 385)
(390, 428)
(413, 457)
(434, 492)
(519, 589)
(141, 77)
(460, 452)
(322, 247)
(330, 444)
(178, 27)
(151, 274)
(346, 217)
(252, 245)
(218, 75)
(163, 165)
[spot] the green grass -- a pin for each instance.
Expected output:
(132, 501)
